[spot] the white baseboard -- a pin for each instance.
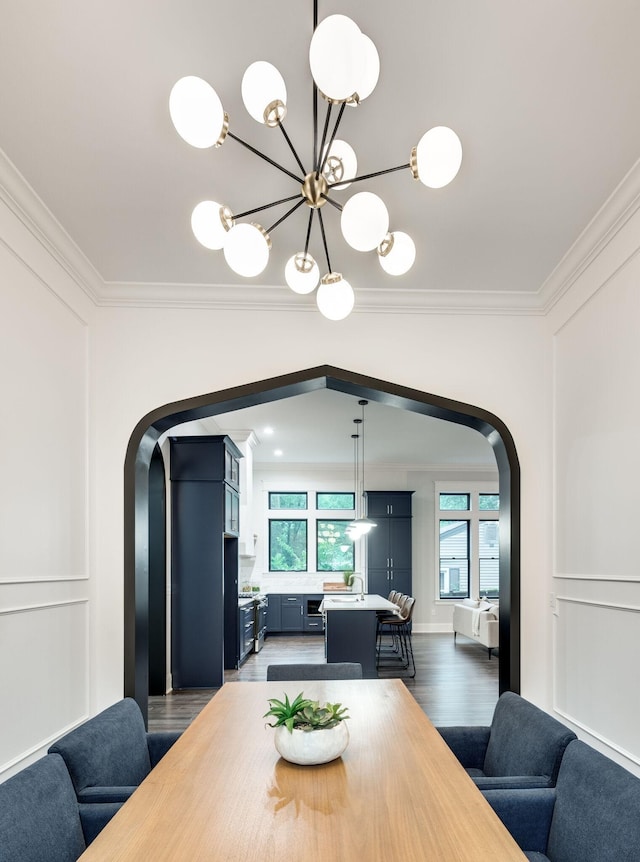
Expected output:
(432, 628)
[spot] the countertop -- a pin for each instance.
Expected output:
(371, 602)
(243, 602)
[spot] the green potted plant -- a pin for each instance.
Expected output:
(348, 578)
(308, 732)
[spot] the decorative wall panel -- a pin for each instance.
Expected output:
(597, 659)
(43, 676)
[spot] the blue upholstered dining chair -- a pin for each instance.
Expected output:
(591, 815)
(110, 754)
(330, 670)
(39, 815)
(523, 747)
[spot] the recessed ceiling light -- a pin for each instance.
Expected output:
(267, 430)
(277, 452)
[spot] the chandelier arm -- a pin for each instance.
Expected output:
(324, 137)
(306, 242)
(267, 206)
(333, 134)
(292, 148)
(315, 93)
(315, 123)
(266, 158)
(286, 215)
(332, 202)
(324, 241)
(370, 176)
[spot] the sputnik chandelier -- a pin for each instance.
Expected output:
(345, 67)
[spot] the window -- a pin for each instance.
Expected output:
(489, 502)
(454, 559)
(468, 543)
(279, 500)
(488, 558)
(335, 501)
(288, 545)
(457, 502)
(334, 547)
(307, 530)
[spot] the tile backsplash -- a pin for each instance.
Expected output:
(303, 582)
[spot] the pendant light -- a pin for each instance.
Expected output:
(361, 525)
(353, 530)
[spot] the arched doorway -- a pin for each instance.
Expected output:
(140, 453)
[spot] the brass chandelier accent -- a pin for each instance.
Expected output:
(344, 66)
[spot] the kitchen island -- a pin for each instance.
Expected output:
(350, 629)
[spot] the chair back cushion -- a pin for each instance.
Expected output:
(596, 817)
(109, 750)
(524, 740)
(39, 820)
(330, 670)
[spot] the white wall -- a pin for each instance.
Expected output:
(596, 420)
(45, 526)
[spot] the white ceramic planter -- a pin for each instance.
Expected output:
(308, 747)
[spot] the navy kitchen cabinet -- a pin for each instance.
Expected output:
(204, 560)
(389, 565)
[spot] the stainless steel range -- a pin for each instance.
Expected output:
(261, 605)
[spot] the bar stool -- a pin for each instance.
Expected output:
(400, 653)
(395, 597)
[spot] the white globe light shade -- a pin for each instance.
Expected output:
(370, 70)
(335, 298)
(208, 226)
(246, 249)
(345, 153)
(336, 57)
(262, 84)
(438, 157)
(196, 112)
(304, 281)
(364, 221)
(402, 255)
(362, 526)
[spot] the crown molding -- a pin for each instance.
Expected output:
(23, 201)
(335, 467)
(612, 216)
(263, 297)
(25, 204)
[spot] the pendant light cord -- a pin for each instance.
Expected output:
(363, 403)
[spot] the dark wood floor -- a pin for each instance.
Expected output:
(455, 683)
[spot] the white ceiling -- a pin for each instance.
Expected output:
(544, 96)
(316, 428)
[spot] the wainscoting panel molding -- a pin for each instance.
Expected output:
(595, 684)
(44, 677)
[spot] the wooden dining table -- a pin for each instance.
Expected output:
(223, 793)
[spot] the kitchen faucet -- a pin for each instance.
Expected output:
(358, 578)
